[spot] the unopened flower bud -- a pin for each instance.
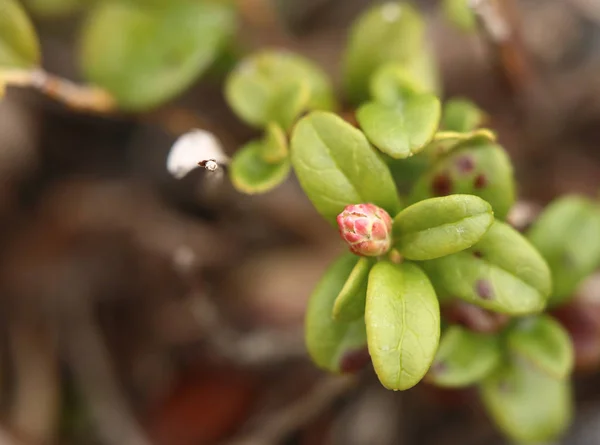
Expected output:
(366, 228)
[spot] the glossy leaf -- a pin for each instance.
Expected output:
(19, 46)
(329, 341)
(401, 131)
(146, 56)
(392, 83)
(460, 14)
(275, 144)
(403, 323)
(503, 272)
(567, 234)
(251, 174)
(277, 86)
(441, 226)
(391, 32)
(336, 166)
(464, 358)
(529, 406)
(544, 343)
(476, 168)
(461, 115)
(350, 302)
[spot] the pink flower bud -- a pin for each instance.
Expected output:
(366, 228)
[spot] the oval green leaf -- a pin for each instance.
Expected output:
(336, 166)
(393, 83)
(544, 343)
(403, 323)
(464, 358)
(145, 56)
(401, 131)
(461, 115)
(277, 86)
(476, 167)
(391, 32)
(350, 303)
(19, 46)
(328, 341)
(527, 405)
(438, 227)
(567, 234)
(503, 272)
(250, 174)
(275, 144)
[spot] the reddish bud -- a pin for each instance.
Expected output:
(366, 228)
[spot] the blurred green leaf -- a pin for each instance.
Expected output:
(475, 168)
(275, 144)
(464, 357)
(503, 272)
(403, 323)
(460, 14)
(145, 56)
(529, 406)
(461, 115)
(54, 8)
(406, 172)
(567, 234)
(336, 166)
(393, 83)
(391, 32)
(277, 86)
(19, 46)
(350, 303)
(329, 341)
(441, 226)
(250, 173)
(544, 343)
(401, 131)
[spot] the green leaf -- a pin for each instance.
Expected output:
(146, 56)
(275, 144)
(251, 174)
(567, 234)
(403, 323)
(438, 227)
(460, 14)
(475, 168)
(336, 166)
(277, 86)
(391, 32)
(329, 341)
(503, 272)
(464, 358)
(19, 46)
(461, 115)
(406, 172)
(393, 83)
(529, 406)
(401, 131)
(544, 343)
(350, 303)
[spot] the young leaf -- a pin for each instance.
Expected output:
(392, 83)
(251, 174)
(544, 343)
(330, 343)
(19, 46)
(503, 272)
(350, 302)
(460, 14)
(464, 358)
(475, 168)
(336, 166)
(145, 56)
(461, 115)
(567, 234)
(529, 406)
(277, 86)
(438, 227)
(403, 323)
(275, 145)
(392, 32)
(401, 131)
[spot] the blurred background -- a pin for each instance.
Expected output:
(139, 309)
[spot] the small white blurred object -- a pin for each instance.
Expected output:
(197, 148)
